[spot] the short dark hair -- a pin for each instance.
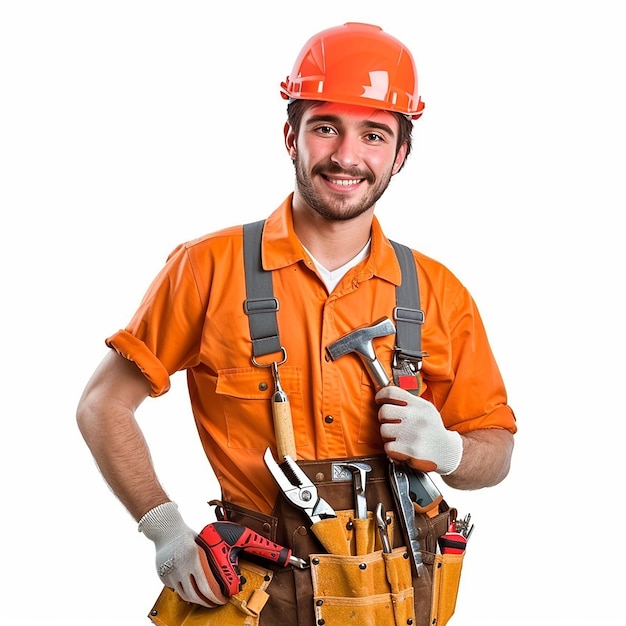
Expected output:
(297, 108)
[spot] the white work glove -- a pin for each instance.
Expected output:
(413, 432)
(181, 563)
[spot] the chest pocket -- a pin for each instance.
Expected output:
(245, 395)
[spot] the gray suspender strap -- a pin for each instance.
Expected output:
(407, 314)
(260, 305)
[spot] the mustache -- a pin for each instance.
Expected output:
(330, 169)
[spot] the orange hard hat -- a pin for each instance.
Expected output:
(356, 64)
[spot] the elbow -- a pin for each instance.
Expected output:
(499, 475)
(85, 417)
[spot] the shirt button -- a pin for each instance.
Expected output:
(329, 419)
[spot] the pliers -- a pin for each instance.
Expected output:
(298, 488)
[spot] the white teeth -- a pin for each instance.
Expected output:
(345, 183)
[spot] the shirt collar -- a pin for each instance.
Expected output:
(281, 247)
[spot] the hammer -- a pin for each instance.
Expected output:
(360, 342)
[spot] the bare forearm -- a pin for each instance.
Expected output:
(486, 459)
(106, 419)
(122, 455)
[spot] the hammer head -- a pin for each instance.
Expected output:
(360, 340)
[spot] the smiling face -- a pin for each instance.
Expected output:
(344, 158)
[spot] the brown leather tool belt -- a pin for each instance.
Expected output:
(291, 593)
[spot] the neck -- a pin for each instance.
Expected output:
(332, 242)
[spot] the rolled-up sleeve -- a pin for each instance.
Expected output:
(164, 334)
(462, 376)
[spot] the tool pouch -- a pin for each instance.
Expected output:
(446, 579)
(346, 535)
(374, 589)
(439, 591)
(242, 609)
(356, 583)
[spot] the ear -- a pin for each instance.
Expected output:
(290, 140)
(399, 160)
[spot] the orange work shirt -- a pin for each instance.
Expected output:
(192, 319)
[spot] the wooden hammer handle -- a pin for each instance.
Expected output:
(283, 428)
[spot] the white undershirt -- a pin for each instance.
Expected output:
(332, 277)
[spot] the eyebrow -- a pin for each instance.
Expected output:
(337, 121)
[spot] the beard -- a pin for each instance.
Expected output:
(336, 207)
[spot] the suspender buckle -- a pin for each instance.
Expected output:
(410, 363)
(274, 363)
(260, 305)
(407, 357)
(412, 316)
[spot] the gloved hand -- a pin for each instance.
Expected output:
(413, 432)
(181, 563)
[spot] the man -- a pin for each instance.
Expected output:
(352, 98)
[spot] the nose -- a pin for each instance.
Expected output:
(347, 151)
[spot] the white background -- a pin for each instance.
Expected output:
(128, 127)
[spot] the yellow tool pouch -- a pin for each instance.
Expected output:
(356, 583)
(446, 579)
(345, 535)
(242, 609)
(374, 588)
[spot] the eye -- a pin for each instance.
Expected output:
(326, 130)
(374, 137)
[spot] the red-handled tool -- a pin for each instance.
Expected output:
(223, 541)
(452, 542)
